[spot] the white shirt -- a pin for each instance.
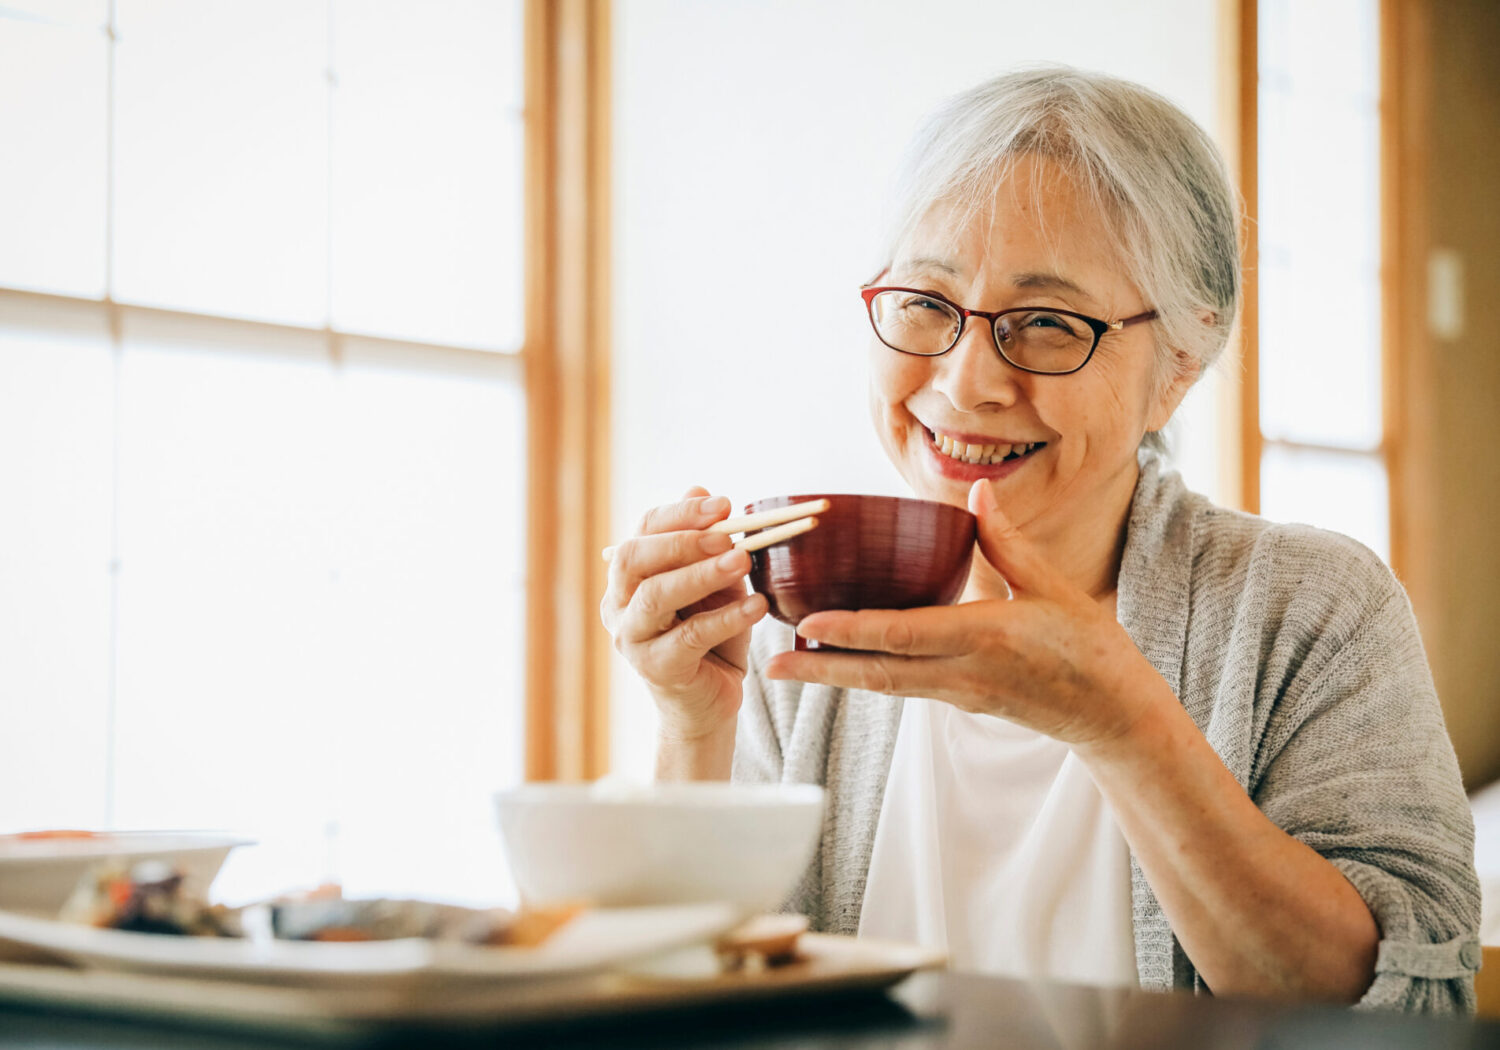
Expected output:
(995, 846)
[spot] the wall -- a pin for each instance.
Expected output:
(1460, 475)
(753, 144)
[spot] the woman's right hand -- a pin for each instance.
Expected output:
(679, 611)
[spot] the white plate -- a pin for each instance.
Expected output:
(594, 940)
(831, 966)
(38, 874)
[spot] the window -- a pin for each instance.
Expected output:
(264, 428)
(1320, 428)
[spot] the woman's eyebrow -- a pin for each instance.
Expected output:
(928, 262)
(1046, 282)
(1054, 282)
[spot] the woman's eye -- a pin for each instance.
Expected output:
(921, 302)
(1054, 324)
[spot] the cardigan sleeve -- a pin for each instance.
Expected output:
(1356, 763)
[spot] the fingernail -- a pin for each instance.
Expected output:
(731, 561)
(714, 542)
(714, 504)
(751, 605)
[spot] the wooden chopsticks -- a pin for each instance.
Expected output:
(766, 518)
(776, 534)
(779, 525)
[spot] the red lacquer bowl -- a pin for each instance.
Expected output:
(868, 552)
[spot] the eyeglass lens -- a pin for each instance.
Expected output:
(1036, 340)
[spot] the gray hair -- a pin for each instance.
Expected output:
(1150, 170)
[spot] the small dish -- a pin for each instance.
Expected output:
(38, 870)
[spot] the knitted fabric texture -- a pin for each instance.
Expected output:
(1296, 652)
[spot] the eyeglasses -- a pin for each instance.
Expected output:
(1033, 339)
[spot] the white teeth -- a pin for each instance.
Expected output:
(985, 454)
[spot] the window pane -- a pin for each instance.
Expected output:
(1320, 183)
(1332, 490)
(226, 675)
(1328, 48)
(56, 437)
(53, 110)
(87, 14)
(320, 606)
(427, 172)
(1319, 223)
(430, 541)
(317, 630)
(1319, 367)
(222, 157)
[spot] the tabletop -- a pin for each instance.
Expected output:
(927, 1012)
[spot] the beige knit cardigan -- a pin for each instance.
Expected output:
(1296, 652)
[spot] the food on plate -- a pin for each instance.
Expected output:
(320, 917)
(146, 898)
(326, 915)
(150, 898)
(53, 833)
(532, 926)
(761, 943)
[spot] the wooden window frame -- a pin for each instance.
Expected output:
(566, 364)
(1406, 354)
(1403, 255)
(1246, 166)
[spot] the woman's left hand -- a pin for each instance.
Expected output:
(1051, 658)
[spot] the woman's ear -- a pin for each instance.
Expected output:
(1184, 371)
(1169, 394)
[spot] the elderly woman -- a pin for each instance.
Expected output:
(1157, 742)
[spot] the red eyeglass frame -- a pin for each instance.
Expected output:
(1098, 327)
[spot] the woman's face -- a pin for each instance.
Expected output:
(1041, 247)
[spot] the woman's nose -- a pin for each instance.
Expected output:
(973, 373)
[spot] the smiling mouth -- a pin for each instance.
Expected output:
(981, 455)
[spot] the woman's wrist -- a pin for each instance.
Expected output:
(1150, 725)
(702, 756)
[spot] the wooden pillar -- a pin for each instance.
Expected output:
(568, 386)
